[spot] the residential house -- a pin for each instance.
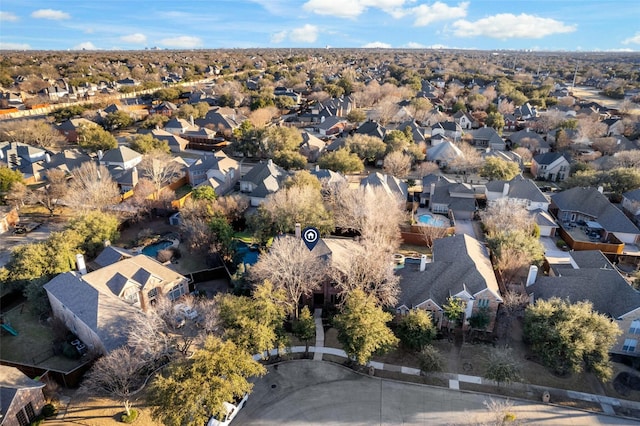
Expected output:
(121, 157)
(525, 112)
(23, 158)
(590, 276)
(328, 177)
(165, 108)
(221, 120)
(176, 143)
(631, 204)
(450, 129)
(128, 82)
(216, 170)
(444, 153)
(442, 196)
(69, 128)
(390, 184)
(487, 137)
(464, 120)
(263, 179)
(546, 223)
(109, 256)
(338, 107)
(99, 306)
(311, 147)
(461, 269)
(179, 126)
(552, 166)
(520, 189)
(590, 206)
(21, 398)
(330, 126)
(66, 160)
(416, 131)
(530, 140)
(371, 128)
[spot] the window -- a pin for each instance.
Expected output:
(152, 293)
(29, 410)
(629, 345)
(176, 292)
(22, 418)
(635, 327)
(483, 303)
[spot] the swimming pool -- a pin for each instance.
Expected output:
(152, 249)
(431, 220)
(249, 256)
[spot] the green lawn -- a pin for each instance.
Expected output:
(34, 342)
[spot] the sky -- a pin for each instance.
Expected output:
(545, 25)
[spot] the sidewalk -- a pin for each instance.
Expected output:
(454, 380)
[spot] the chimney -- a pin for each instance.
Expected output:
(82, 268)
(600, 189)
(423, 262)
(1, 154)
(505, 189)
(107, 243)
(191, 120)
(298, 231)
(533, 274)
(433, 188)
(100, 154)
(317, 168)
(47, 157)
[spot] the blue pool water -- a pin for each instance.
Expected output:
(152, 249)
(431, 220)
(249, 257)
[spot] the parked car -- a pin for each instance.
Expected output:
(231, 411)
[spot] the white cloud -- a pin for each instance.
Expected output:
(87, 45)
(305, 34)
(377, 45)
(632, 40)
(414, 45)
(279, 37)
(352, 8)
(184, 42)
(438, 11)
(55, 15)
(14, 46)
(506, 25)
(135, 38)
(7, 17)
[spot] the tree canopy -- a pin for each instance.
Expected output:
(570, 337)
(95, 138)
(341, 161)
(498, 169)
(416, 329)
(362, 327)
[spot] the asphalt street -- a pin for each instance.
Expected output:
(306, 392)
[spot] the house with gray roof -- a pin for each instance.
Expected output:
(590, 276)
(443, 196)
(312, 147)
(21, 398)
(552, 166)
(444, 153)
(263, 179)
(216, 170)
(460, 268)
(109, 256)
(390, 184)
(589, 205)
(487, 137)
(450, 129)
(524, 191)
(533, 141)
(99, 306)
(176, 143)
(371, 128)
(121, 157)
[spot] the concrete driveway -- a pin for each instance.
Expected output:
(309, 392)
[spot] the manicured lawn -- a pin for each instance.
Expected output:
(244, 236)
(34, 342)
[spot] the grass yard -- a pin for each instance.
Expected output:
(34, 342)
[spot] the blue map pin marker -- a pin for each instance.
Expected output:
(310, 236)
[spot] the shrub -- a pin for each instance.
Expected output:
(49, 410)
(165, 255)
(509, 417)
(131, 417)
(561, 244)
(37, 421)
(430, 360)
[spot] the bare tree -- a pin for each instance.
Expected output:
(426, 168)
(91, 187)
(524, 153)
(53, 192)
(469, 162)
(369, 268)
(17, 195)
(118, 374)
(513, 306)
(629, 158)
(290, 266)
(31, 132)
(506, 107)
(431, 233)
(506, 214)
(397, 164)
(590, 127)
(161, 169)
